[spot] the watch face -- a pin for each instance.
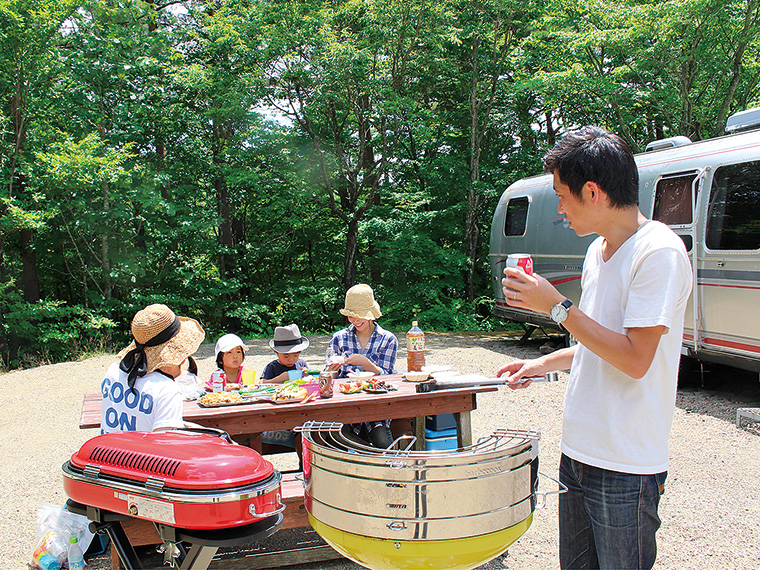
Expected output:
(559, 313)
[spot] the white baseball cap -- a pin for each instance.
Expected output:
(227, 343)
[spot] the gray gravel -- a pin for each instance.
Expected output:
(710, 511)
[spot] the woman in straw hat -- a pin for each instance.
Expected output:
(364, 345)
(139, 393)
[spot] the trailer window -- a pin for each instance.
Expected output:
(517, 217)
(673, 200)
(733, 215)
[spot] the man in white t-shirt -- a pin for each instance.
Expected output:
(139, 392)
(620, 398)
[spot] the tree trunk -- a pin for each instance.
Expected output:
(225, 227)
(29, 281)
(352, 248)
(105, 253)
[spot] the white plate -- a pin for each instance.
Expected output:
(361, 374)
(432, 369)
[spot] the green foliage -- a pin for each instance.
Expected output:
(244, 162)
(50, 331)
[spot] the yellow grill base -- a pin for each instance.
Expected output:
(455, 554)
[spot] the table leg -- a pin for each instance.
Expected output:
(419, 433)
(464, 429)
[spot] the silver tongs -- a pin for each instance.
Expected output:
(471, 380)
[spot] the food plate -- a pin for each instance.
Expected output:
(352, 387)
(284, 400)
(377, 386)
(222, 404)
(218, 399)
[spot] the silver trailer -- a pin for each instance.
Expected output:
(708, 192)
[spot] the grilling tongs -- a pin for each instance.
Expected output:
(470, 380)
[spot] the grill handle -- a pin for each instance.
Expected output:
(541, 497)
(195, 428)
(280, 507)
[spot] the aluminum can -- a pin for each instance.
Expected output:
(218, 381)
(325, 384)
(521, 261)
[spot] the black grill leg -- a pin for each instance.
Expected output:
(124, 548)
(199, 557)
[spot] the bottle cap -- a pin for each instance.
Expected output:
(414, 323)
(73, 540)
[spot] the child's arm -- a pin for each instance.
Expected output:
(279, 379)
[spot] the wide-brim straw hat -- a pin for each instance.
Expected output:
(288, 339)
(361, 304)
(154, 319)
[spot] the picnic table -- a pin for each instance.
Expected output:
(345, 408)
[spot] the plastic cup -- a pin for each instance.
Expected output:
(249, 377)
(295, 374)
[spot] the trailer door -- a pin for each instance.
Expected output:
(729, 278)
(675, 204)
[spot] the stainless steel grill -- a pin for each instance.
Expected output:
(399, 504)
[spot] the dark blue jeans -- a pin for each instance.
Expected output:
(607, 519)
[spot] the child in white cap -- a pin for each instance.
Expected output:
(287, 344)
(230, 353)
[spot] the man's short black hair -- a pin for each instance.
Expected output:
(592, 154)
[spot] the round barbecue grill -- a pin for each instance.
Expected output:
(396, 509)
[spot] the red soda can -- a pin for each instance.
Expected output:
(521, 261)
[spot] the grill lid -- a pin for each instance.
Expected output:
(172, 460)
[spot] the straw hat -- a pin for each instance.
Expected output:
(361, 304)
(228, 342)
(288, 339)
(173, 339)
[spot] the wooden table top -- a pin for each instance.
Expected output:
(345, 408)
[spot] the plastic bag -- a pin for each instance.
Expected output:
(55, 527)
(189, 386)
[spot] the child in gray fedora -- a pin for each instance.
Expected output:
(287, 344)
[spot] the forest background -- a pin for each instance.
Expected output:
(245, 162)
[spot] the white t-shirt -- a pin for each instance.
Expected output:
(612, 420)
(156, 402)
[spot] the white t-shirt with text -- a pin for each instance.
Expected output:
(156, 402)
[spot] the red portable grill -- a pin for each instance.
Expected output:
(197, 486)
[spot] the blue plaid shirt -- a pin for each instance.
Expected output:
(381, 348)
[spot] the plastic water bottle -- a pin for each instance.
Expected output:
(415, 348)
(76, 556)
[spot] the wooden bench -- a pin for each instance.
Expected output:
(143, 533)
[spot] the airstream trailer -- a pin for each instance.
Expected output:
(708, 192)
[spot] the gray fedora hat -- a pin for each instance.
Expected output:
(288, 339)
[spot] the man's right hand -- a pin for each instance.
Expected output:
(520, 373)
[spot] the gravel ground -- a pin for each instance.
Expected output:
(710, 510)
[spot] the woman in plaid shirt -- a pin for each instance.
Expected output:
(364, 345)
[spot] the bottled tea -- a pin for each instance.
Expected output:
(415, 348)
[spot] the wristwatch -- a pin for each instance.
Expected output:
(559, 311)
